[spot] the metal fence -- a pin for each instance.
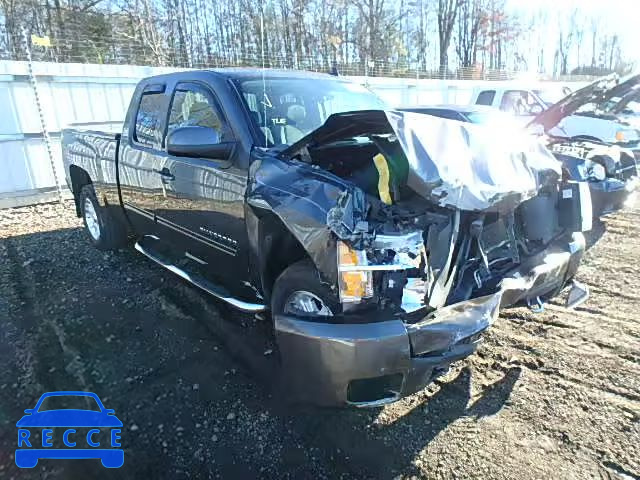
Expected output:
(115, 50)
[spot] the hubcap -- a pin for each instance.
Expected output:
(303, 302)
(91, 219)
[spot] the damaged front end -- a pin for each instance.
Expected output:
(424, 228)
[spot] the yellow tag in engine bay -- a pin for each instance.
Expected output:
(383, 178)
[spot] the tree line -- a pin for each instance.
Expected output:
(353, 36)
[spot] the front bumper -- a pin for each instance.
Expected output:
(611, 194)
(370, 364)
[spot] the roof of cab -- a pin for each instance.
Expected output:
(453, 107)
(252, 72)
(245, 73)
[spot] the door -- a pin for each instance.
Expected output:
(141, 155)
(201, 209)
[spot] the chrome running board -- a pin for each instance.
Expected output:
(203, 284)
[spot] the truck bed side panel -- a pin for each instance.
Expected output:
(95, 153)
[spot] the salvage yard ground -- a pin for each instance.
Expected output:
(550, 395)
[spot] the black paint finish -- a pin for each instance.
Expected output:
(200, 205)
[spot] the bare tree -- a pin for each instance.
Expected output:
(447, 12)
(497, 30)
(314, 34)
(469, 19)
(595, 25)
(613, 53)
(566, 36)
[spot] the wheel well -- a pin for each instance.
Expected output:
(279, 249)
(79, 178)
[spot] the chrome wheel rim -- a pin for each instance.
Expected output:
(91, 219)
(306, 303)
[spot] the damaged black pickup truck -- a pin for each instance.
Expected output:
(383, 242)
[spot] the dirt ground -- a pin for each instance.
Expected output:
(549, 395)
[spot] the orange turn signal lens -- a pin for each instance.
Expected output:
(354, 285)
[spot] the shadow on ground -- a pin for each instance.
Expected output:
(192, 381)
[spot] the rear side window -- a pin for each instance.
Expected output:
(486, 97)
(148, 119)
(192, 107)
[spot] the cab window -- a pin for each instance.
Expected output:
(192, 106)
(148, 129)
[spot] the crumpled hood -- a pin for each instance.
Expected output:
(454, 164)
(468, 166)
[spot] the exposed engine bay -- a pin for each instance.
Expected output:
(435, 219)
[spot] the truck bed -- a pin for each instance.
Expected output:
(91, 147)
(97, 127)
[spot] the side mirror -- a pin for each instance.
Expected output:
(109, 411)
(194, 141)
(29, 411)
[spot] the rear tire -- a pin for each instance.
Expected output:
(103, 230)
(300, 286)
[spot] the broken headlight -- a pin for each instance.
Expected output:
(355, 284)
(399, 261)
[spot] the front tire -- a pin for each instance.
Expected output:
(299, 291)
(103, 230)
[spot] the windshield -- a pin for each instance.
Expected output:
(286, 109)
(632, 108)
(626, 105)
(552, 95)
(521, 103)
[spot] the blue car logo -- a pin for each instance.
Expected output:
(83, 429)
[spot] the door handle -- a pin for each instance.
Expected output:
(165, 174)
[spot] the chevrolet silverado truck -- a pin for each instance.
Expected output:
(383, 242)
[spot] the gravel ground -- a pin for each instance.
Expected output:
(550, 395)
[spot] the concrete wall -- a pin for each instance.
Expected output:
(75, 93)
(69, 93)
